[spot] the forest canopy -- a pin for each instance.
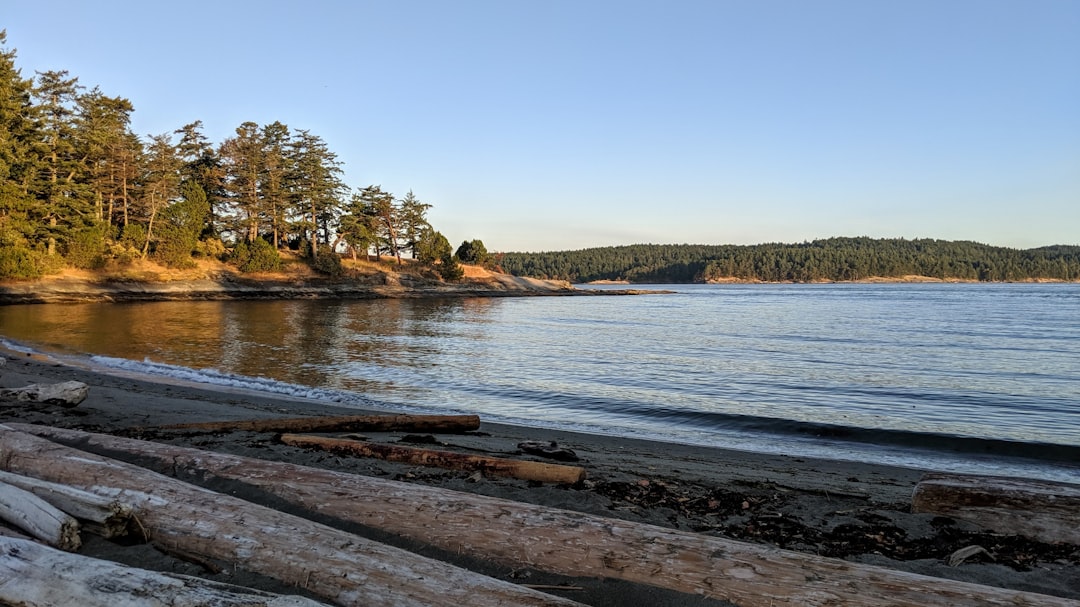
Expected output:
(833, 259)
(79, 188)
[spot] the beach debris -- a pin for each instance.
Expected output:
(339, 423)
(40, 519)
(452, 460)
(568, 543)
(106, 517)
(548, 449)
(335, 565)
(960, 556)
(66, 394)
(32, 575)
(1042, 510)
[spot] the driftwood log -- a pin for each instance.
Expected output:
(99, 515)
(67, 394)
(569, 543)
(32, 575)
(341, 423)
(1042, 510)
(338, 566)
(525, 470)
(42, 520)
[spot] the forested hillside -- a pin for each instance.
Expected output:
(79, 189)
(833, 259)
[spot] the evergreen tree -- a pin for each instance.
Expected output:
(412, 217)
(432, 246)
(180, 226)
(18, 165)
(315, 188)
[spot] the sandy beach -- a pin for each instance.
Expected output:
(847, 510)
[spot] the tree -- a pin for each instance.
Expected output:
(472, 251)
(315, 188)
(358, 226)
(242, 160)
(203, 165)
(275, 166)
(161, 182)
(110, 153)
(18, 164)
(64, 207)
(412, 216)
(181, 224)
(432, 246)
(380, 206)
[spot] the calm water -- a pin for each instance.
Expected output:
(949, 376)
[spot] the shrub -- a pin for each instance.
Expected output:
(257, 256)
(450, 269)
(328, 262)
(85, 248)
(19, 262)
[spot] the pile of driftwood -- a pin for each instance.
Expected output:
(56, 487)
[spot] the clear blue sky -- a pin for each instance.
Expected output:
(549, 125)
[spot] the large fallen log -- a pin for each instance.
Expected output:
(332, 564)
(30, 513)
(1042, 510)
(525, 470)
(68, 393)
(32, 575)
(102, 516)
(565, 542)
(341, 423)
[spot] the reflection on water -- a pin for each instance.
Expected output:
(309, 342)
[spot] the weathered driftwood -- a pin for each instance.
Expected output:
(37, 517)
(1042, 510)
(570, 543)
(526, 470)
(32, 575)
(102, 516)
(332, 564)
(342, 423)
(68, 393)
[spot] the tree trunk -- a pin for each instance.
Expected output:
(106, 517)
(1042, 510)
(569, 543)
(525, 470)
(32, 575)
(68, 393)
(341, 423)
(333, 564)
(37, 517)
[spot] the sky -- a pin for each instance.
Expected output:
(568, 124)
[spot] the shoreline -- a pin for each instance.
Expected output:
(635, 479)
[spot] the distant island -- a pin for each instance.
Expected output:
(826, 260)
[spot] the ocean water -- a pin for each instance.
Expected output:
(981, 378)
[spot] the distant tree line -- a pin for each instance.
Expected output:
(833, 259)
(79, 188)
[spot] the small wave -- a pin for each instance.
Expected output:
(232, 380)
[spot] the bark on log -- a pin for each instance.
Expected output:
(342, 423)
(37, 517)
(569, 543)
(32, 575)
(339, 566)
(102, 516)
(525, 470)
(1041, 510)
(68, 394)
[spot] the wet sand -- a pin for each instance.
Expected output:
(849, 510)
